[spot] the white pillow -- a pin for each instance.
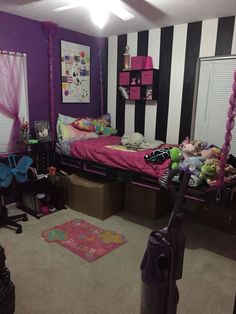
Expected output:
(66, 119)
(63, 119)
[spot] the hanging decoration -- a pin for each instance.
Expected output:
(101, 84)
(228, 135)
(50, 30)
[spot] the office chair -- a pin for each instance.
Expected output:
(7, 172)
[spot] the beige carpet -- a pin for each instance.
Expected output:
(51, 280)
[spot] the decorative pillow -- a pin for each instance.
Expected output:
(65, 119)
(83, 124)
(62, 119)
(69, 132)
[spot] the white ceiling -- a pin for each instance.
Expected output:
(148, 14)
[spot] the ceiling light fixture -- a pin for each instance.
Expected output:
(99, 17)
(99, 10)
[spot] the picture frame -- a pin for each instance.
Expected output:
(75, 72)
(42, 130)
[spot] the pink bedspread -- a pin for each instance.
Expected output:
(96, 150)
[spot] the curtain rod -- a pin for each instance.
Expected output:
(12, 53)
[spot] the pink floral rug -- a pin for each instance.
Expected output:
(82, 238)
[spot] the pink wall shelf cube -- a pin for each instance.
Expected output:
(135, 93)
(124, 78)
(147, 77)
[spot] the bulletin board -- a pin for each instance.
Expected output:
(75, 72)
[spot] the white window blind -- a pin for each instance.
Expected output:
(6, 123)
(212, 100)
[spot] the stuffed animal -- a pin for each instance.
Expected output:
(229, 170)
(175, 156)
(105, 130)
(209, 170)
(207, 153)
(185, 141)
(188, 150)
(158, 155)
(193, 164)
(198, 146)
(216, 151)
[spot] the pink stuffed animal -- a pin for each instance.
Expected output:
(212, 152)
(207, 153)
(186, 141)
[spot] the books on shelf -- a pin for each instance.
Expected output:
(124, 92)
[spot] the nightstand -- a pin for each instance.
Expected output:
(48, 192)
(42, 153)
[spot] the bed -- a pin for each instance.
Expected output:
(107, 157)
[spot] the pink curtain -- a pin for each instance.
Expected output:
(11, 73)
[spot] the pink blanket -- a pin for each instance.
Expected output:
(104, 151)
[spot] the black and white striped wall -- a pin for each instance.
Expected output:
(174, 51)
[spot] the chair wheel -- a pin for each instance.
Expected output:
(25, 218)
(19, 230)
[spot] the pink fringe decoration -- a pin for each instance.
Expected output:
(101, 85)
(50, 30)
(228, 135)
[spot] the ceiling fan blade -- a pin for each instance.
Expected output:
(145, 9)
(122, 13)
(19, 2)
(67, 7)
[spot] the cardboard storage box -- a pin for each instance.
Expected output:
(147, 202)
(62, 181)
(97, 198)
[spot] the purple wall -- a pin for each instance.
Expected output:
(25, 35)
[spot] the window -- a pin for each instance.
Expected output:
(214, 87)
(13, 99)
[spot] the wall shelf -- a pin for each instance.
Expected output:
(139, 84)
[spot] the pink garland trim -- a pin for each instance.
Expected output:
(50, 29)
(228, 135)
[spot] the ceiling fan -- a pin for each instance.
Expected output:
(100, 10)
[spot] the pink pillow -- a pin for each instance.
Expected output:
(68, 132)
(83, 124)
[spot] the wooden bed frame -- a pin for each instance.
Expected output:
(72, 165)
(203, 204)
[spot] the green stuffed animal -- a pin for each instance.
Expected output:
(208, 170)
(105, 130)
(175, 156)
